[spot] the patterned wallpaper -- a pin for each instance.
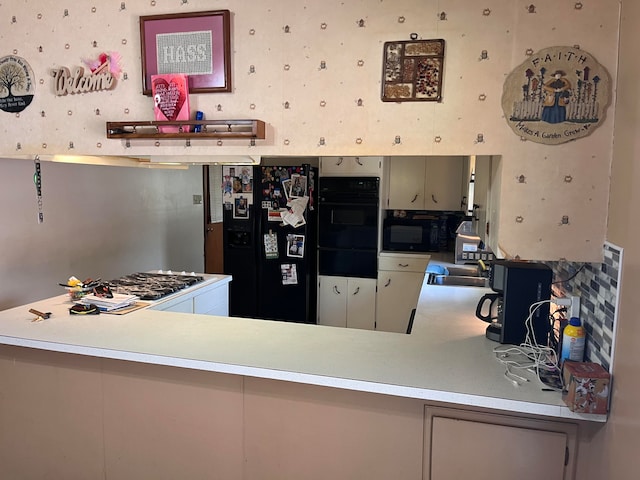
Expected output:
(313, 72)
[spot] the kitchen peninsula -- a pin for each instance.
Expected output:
(244, 388)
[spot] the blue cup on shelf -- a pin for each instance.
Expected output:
(199, 116)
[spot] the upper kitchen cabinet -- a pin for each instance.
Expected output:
(426, 183)
(351, 166)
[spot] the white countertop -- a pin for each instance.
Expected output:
(445, 359)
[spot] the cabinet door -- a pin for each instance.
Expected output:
(397, 296)
(332, 301)
(214, 301)
(464, 444)
(406, 183)
(356, 166)
(361, 303)
(443, 183)
(178, 306)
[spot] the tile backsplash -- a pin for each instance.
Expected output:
(597, 285)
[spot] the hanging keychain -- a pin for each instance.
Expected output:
(37, 180)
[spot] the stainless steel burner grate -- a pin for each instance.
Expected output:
(152, 286)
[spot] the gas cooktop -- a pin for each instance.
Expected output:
(152, 286)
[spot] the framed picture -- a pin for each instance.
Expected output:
(197, 44)
(412, 71)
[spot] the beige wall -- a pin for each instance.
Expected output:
(613, 452)
(323, 102)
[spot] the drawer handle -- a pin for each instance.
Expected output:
(388, 282)
(357, 290)
(335, 289)
(358, 161)
(433, 197)
(339, 162)
(403, 265)
(414, 198)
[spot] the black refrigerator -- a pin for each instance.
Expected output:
(270, 241)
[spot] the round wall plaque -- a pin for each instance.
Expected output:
(558, 94)
(16, 84)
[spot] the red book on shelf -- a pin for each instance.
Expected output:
(171, 100)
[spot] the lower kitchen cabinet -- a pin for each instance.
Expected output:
(347, 302)
(179, 305)
(466, 444)
(208, 300)
(212, 301)
(400, 278)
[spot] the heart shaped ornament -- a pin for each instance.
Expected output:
(170, 99)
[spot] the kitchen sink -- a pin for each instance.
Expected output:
(463, 271)
(458, 275)
(459, 280)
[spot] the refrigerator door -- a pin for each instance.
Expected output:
(287, 269)
(239, 239)
(240, 235)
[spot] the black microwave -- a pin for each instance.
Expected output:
(410, 234)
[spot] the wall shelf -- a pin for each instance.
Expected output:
(251, 129)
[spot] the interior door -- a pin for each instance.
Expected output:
(212, 198)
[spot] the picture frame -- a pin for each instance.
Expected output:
(412, 71)
(197, 44)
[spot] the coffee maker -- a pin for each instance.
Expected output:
(517, 285)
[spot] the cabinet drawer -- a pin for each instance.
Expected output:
(408, 263)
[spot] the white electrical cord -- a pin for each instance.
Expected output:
(529, 355)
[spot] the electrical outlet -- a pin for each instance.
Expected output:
(563, 302)
(571, 303)
(574, 309)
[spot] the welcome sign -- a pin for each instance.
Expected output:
(559, 94)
